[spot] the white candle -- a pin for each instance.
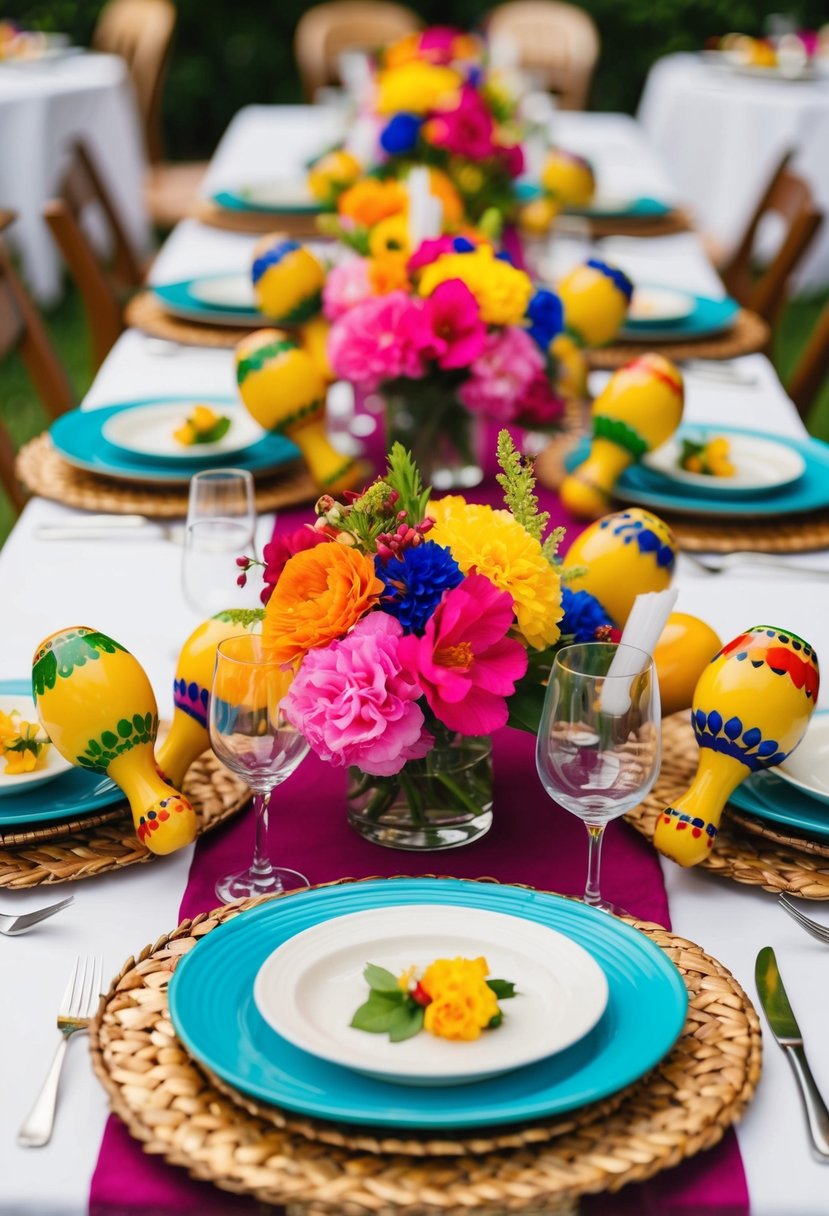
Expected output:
(643, 630)
(425, 210)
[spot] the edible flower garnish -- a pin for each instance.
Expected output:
(203, 426)
(451, 999)
(707, 456)
(21, 744)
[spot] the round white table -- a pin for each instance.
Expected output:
(44, 107)
(722, 134)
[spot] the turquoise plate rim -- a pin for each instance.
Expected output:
(643, 207)
(709, 317)
(810, 492)
(75, 433)
(179, 300)
(15, 817)
(797, 810)
(329, 1091)
(231, 200)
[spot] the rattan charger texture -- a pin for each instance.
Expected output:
(215, 793)
(44, 471)
(148, 314)
(287, 223)
(748, 334)
(168, 1103)
(659, 225)
(745, 858)
(57, 829)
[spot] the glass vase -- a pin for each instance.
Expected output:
(440, 802)
(445, 439)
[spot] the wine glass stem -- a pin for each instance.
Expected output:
(262, 867)
(595, 835)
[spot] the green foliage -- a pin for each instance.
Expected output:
(503, 989)
(404, 476)
(518, 483)
(388, 1010)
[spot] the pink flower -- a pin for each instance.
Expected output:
(437, 43)
(502, 374)
(456, 334)
(346, 285)
(465, 663)
(539, 405)
(430, 250)
(466, 130)
(278, 550)
(512, 158)
(379, 339)
(356, 703)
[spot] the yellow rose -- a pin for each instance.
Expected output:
(462, 1003)
(502, 292)
(417, 88)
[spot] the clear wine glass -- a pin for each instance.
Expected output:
(252, 737)
(221, 526)
(598, 748)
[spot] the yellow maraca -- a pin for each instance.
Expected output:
(596, 298)
(188, 736)
(287, 280)
(751, 707)
(622, 556)
(96, 705)
(283, 389)
(640, 407)
(331, 174)
(568, 179)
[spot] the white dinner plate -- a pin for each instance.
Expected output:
(659, 305)
(55, 763)
(287, 193)
(761, 465)
(147, 430)
(807, 768)
(225, 291)
(309, 989)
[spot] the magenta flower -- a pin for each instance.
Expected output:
(437, 43)
(539, 405)
(430, 250)
(465, 663)
(466, 130)
(346, 285)
(379, 339)
(512, 158)
(456, 334)
(356, 703)
(278, 550)
(502, 374)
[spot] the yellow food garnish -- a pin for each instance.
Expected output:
(708, 457)
(203, 426)
(21, 744)
(462, 1004)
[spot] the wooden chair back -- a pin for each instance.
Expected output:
(557, 42)
(22, 331)
(141, 31)
(789, 197)
(83, 185)
(326, 30)
(812, 368)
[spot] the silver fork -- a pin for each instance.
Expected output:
(77, 1006)
(13, 926)
(820, 932)
(741, 557)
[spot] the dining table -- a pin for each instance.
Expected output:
(130, 589)
(46, 105)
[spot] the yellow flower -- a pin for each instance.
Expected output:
(717, 453)
(497, 546)
(21, 744)
(502, 292)
(8, 730)
(388, 274)
(390, 237)
(417, 87)
(462, 1003)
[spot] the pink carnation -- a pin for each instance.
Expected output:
(430, 250)
(356, 703)
(502, 374)
(466, 130)
(379, 339)
(539, 404)
(455, 333)
(346, 285)
(465, 663)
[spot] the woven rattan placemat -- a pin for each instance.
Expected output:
(658, 225)
(760, 827)
(215, 793)
(293, 223)
(58, 828)
(748, 334)
(148, 314)
(746, 858)
(43, 471)
(170, 1105)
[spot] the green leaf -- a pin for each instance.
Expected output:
(381, 980)
(495, 1020)
(525, 708)
(214, 433)
(378, 1012)
(407, 1022)
(503, 989)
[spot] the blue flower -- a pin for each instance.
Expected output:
(415, 583)
(617, 277)
(547, 316)
(583, 615)
(461, 244)
(400, 134)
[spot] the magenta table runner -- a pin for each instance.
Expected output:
(532, 841)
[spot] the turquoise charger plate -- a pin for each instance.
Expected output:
(237, 200)
(78, 438)
(644, 207)
(647, 488)
(74, 793)
(213, 1011)
(180, 300)
(708, 317)
(766, 796)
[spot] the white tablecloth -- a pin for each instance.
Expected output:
(721, 135)
(44, 108)
(131, 590)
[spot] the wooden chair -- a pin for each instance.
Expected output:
(789, 197)
(22, 331)
(326, 30)
(82, 187)
(812, 367)
(557, 42)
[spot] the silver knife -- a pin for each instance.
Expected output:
(785, 1029)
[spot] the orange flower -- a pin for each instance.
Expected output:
(402, 51)
(441, 187)
(369, 201)
(388, 274)
(320, 595)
